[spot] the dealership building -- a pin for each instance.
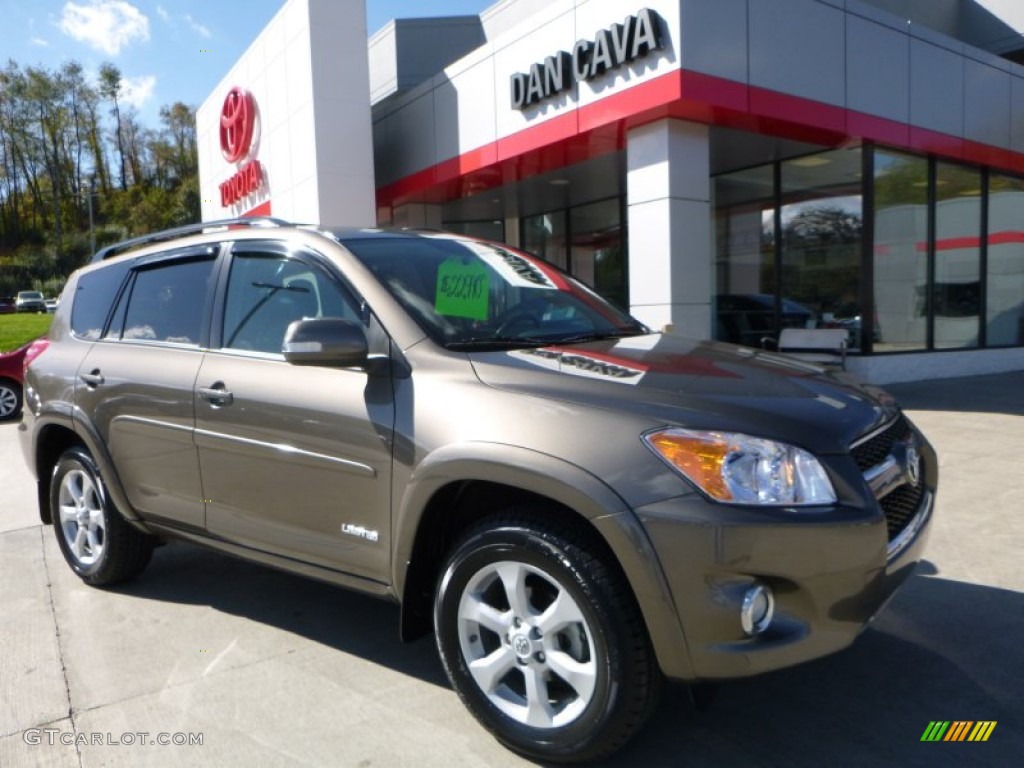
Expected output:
(722, 168)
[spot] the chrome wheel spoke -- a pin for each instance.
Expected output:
(68, 513)
(475, 610)
(561, 613)
(581, 676)
(491, 669)
(79, 542)
(539, 712)
(513, 578)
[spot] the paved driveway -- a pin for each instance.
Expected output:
(271, 669)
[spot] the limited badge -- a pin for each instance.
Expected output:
(462, 290)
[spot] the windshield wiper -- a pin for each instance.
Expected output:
(502, 342)
(495, 343)
(582, 338)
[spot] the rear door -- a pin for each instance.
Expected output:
(296, 460)
(136, 384)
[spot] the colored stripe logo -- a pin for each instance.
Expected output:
(959, 730)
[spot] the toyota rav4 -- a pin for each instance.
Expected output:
(575, 506)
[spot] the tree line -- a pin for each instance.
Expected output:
(68, 146)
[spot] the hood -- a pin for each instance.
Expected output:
(700, 385)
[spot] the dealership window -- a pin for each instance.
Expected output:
(956, 288)
(900, 251)
(793, 249)
(744, 211)
(1005, 273)
(588, 242)
(821, 225)
(788, 243)
(545, 236)
(485, 230)
(597, 254)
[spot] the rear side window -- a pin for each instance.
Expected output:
(167, 302)
(94, 294)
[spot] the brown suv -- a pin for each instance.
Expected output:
(576, 506)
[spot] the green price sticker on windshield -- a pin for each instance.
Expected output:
(462, 290)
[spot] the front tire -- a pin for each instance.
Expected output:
(96, 541)
(543, 640)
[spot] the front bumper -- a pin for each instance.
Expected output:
(831, 572)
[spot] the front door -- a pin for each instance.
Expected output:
(295, 460)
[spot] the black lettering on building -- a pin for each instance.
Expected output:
(602, 59)
(647, 34)
(620, 44)
(581, 60)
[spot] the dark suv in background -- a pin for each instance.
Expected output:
(576, 506)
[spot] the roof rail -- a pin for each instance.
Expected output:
(188, 229)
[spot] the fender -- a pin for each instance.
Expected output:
(575, 488)
(70, 417)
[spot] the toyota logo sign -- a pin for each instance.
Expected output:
(237, 124)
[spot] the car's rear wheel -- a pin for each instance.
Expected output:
(10, 399)
(543, 640)
(96, 541)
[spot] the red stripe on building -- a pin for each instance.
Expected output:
(952, 243)
(600, 127)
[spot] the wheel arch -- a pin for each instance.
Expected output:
(460, 485)
(56, 433)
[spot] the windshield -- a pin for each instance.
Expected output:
(471, 294)
(30, 295)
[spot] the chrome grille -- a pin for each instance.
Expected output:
(900, 506)
(902, 503)
(876, 449)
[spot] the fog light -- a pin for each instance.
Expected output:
(758, 609)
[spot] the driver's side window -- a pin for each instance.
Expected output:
(267, 292)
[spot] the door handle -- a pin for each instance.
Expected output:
(93, 379)
(216, 395)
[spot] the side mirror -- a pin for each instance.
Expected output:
(325, 341)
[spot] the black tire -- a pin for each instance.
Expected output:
(601, 640)
(10, 399)
(96, 541)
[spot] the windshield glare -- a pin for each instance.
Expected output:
(472, 294)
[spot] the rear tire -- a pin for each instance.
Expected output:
(99, 545)
(543, 641)
(10, 399)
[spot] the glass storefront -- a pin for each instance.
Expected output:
(900, 252)
(587, 241)
(1004, 311)
(744, 232)
(485, 230)
(956, 289)
(788, 243)
(545, 236)
(904, 259)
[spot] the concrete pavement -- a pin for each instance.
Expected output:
(275, 670)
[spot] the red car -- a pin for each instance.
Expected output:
(12, 376)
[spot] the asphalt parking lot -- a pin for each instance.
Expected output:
(270, 669)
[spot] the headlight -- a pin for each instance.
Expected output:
(739, 469)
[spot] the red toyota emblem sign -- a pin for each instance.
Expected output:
(237, 124)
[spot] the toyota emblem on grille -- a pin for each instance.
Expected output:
(913, 465)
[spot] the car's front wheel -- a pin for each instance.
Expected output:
(96, 541)
(543, 640)
(10, 399)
